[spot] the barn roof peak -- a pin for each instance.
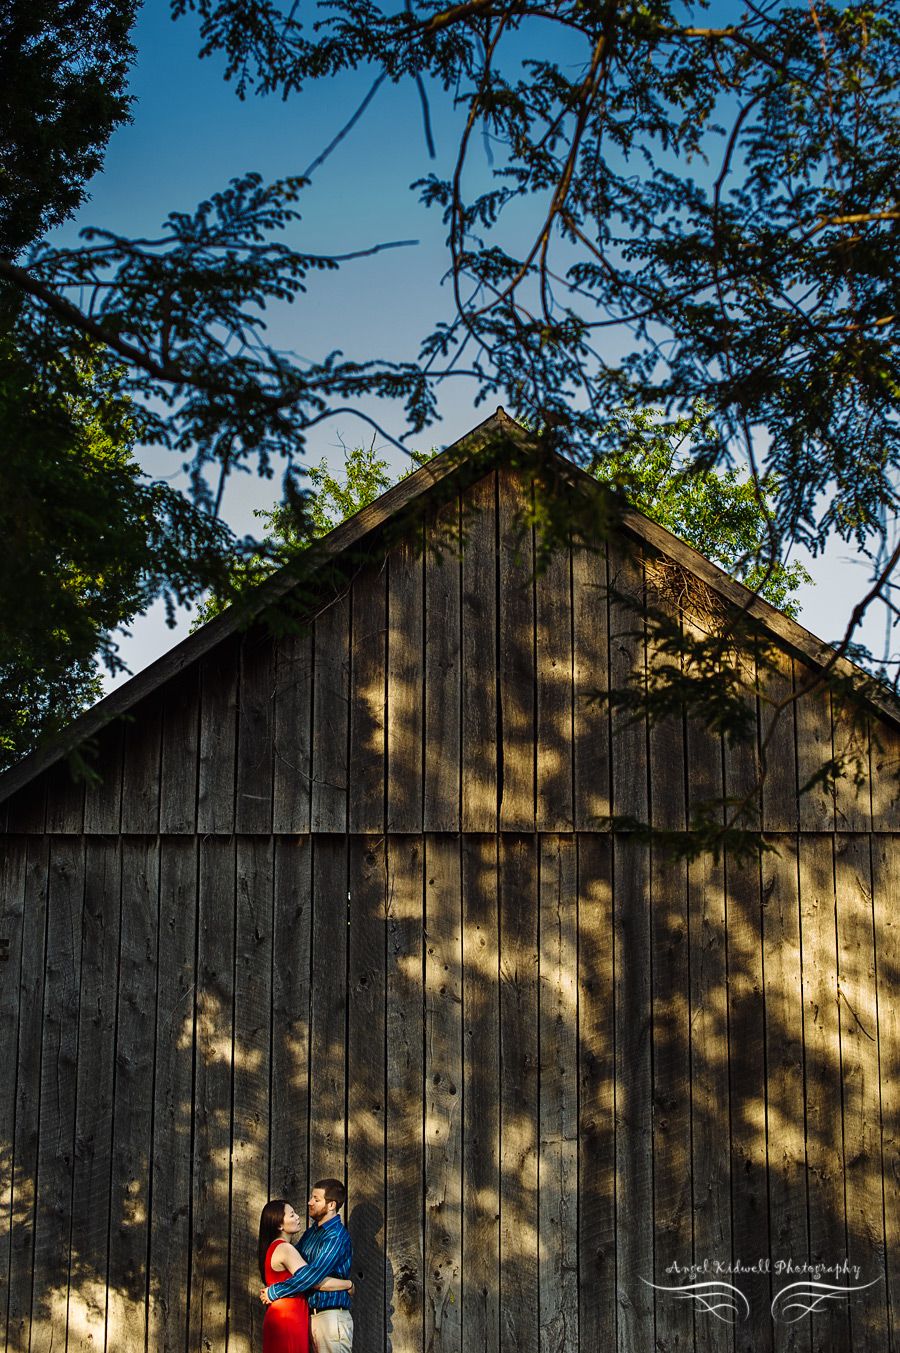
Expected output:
(496, 430)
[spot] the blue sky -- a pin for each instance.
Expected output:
(190, 134)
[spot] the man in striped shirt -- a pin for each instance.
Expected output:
(328, 1253)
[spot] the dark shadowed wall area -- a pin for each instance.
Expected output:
(342, 904)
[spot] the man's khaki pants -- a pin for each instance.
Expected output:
(331, 1331)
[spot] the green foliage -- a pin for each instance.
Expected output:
(63, 76)
(292, 526)
(87, 540)
(722, 513)
(365, 479)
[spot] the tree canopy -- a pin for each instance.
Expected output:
(291, 528)
(667, 211)
(87, 540)
(63, 90)
(722, 513)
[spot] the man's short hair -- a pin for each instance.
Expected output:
(334, 1191)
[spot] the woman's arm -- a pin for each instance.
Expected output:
(335, 1285)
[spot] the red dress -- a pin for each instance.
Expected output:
(286, 1326)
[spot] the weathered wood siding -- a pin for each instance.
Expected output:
(551, 1068)
(342, 903)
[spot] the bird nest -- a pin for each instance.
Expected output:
(672, 585)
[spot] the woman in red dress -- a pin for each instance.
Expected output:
(286, 1326)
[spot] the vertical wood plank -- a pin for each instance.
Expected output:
(852, 789)
(405, 685)
(366, 1073)
(710, 1104)
(133, 1096)
(219, 671)
(860, 1087)
(634, 1082)
(782, 962)
(443, 675)
(170, 1220)
(26, 810)
(555, 685)
(886, 871)
(289, 1148)
(180, 749)
(703, 752)
(250, 1115)
(12, 919)
(672, 1198)
(405, 1040)
(591, 668)
(91, 1174)
(328, 1021)
(27, 1093)
(255, 729)
(741, 759)
(778, 737)
(814, 751)
(821, 1039)
(331, 713)
(65, 801)
(443, 1096)
(516, 657)
(292, 733)
(747, 1096)
(479, 658)
(481, 1068)
(214, 1057)
(665, 737)
(58, 1066)
(558, 1164)
(626, 658)
(597, 1095)
(885, 758)
(367, 699)
(141, 767)
(103, 795)
(518, 1093)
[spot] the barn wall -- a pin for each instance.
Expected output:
(340, 902)
(552, 1065)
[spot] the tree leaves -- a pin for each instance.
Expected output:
(86, 540)
(63, 76)
(674, 212)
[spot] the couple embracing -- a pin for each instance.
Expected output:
(308, 1287)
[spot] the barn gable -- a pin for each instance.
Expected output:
(342, 902)
(238, 729)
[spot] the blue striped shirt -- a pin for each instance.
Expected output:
(328, 1254)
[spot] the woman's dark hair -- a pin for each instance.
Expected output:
(270, 1223)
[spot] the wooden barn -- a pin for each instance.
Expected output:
(343, 902)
